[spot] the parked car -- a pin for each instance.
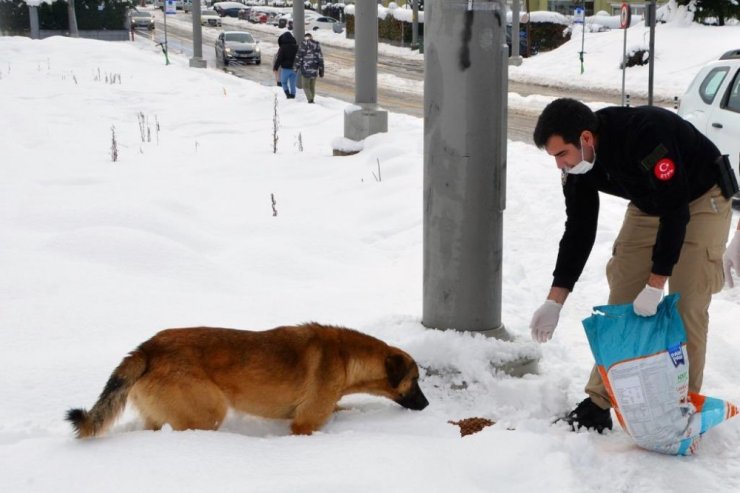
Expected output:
(210, 17)
(323, 22)
(229, 9)
(237, 46)
(141, 19)
(283, 20)
(712, 104)
(258, 16)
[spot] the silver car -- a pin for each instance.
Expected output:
(238, 46)
(141, 20)
(209, 17)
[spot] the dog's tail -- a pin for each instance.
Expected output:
(112, 400)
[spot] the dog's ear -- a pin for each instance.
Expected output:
(395, 367)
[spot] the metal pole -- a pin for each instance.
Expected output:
(299, 19)
(197, 61)
(72, 16)
(414, 24)
(33, 15)
(465, 110)
(299, 29)
(651, 67)
(624, 63)
(515, 8)
(515, 58)
(165, 47)
(366, 51)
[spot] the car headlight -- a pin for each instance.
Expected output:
(227, 50)
(257, 49)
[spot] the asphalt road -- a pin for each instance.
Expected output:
(405, 97)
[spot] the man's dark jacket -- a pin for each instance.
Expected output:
(650, 156)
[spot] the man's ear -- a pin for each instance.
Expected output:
(395, 367)
(588, 138)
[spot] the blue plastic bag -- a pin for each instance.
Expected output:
(645, 369)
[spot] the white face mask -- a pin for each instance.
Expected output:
(584, 166)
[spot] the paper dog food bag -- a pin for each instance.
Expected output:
(645, 368)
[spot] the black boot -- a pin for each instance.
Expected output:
(287, 94)
(590, 416)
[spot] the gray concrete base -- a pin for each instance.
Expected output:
(364, 120)
(515, 60)
(343, 152)
(517, 367)
(197, 62)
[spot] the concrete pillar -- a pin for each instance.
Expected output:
(33, 15)
(197, 60)
(364, 118)
(465, 109)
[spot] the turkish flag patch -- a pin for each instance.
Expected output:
(664, 169)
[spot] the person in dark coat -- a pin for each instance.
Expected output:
(310, 63)
(284, 61)
(674, 231)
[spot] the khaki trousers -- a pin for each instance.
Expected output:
(309, 87)
(697, 275)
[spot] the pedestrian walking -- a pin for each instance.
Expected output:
(674, 231)
(309, 62)
(284, 61)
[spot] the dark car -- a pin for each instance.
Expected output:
(229, 9)
(237, 46)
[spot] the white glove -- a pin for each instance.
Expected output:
(646, 303)
(544, 321)
(731, 259)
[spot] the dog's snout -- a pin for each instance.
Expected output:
(414, 399)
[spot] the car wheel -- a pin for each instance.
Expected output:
(315, 28)
(258, 61)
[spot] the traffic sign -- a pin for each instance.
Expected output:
(579, 15)
(625, 16)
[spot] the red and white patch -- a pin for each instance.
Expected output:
(665, 169)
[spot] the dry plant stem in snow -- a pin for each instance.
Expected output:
(300, 142)
(378, 178)
(142, 125)
(274, 205)
(113, 145)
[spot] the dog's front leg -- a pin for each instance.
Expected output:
(312, 415)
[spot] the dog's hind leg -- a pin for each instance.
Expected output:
(184, 403)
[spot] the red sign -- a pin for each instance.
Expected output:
(665, 169)
(625, 16)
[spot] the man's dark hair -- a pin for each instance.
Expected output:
(567, 118)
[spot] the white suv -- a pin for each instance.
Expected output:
(712, 104)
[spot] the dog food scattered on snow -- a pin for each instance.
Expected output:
(468, 426)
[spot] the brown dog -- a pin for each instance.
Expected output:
(189, 378)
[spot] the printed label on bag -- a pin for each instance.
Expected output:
(676, 353)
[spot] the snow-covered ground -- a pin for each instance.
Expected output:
(97, 256)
